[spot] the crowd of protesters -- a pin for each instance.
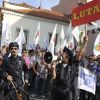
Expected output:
(43, 80)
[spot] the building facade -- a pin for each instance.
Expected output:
(66, 6)
(28, 17)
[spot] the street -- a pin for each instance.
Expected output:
(37, 98)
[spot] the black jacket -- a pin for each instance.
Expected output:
(15, 67)
(64, 84)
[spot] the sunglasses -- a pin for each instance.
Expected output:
(14, 48)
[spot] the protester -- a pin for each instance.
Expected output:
(2, 76)
(32, 71)
(26, 58)
(62, 77)
(16, 65)
(3, 50)
(96, 69)
(64, 74)
(27, 61)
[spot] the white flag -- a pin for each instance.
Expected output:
(8, 38)
(86, 80)
(46, 43)
(70, 40)
(98, 23)
(89, 0)
(6, 33)
(76, 33)
(69, 32)
(62, 34)
(20, 40)
(94, 23)
(79, 35)
(70, 44)
(37, 34)
(63, 41)
(96, 48)
(52, 41)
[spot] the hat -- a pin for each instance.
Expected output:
(13, 44)
(70, 54)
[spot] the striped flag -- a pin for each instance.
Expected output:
(52, 41)
(37, 34)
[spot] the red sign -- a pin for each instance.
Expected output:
(86, 13)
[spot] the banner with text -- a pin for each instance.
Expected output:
(86, 80)
(86, 13)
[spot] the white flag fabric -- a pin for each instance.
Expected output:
(6, 33)
(8, 38)
(96, 48)
(98, 23)
(89, 0)
(69, 32)
(70, 40)
(46, 43)
(76, 33)
(62, 34)
(86, 80)
(63, 41)
(70, 44)
(94, 23)
(20, 40)
(79, 35)
(52, 41)
(37, 34)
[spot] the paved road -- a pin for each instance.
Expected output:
(38, 98)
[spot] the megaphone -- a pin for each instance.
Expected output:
(48, 57)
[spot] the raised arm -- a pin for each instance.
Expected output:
(83, 48)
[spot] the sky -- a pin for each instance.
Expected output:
(45, 4)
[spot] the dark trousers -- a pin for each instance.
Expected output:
(57, 95)
(85, 95)
(97, 94)
(1, 96)
(42, 84)
(37, 90)
(32, 76)
(82, 95)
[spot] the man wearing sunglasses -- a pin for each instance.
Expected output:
(16, 65)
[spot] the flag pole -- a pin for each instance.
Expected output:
(85, 29)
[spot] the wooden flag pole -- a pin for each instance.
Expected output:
(85, 29)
